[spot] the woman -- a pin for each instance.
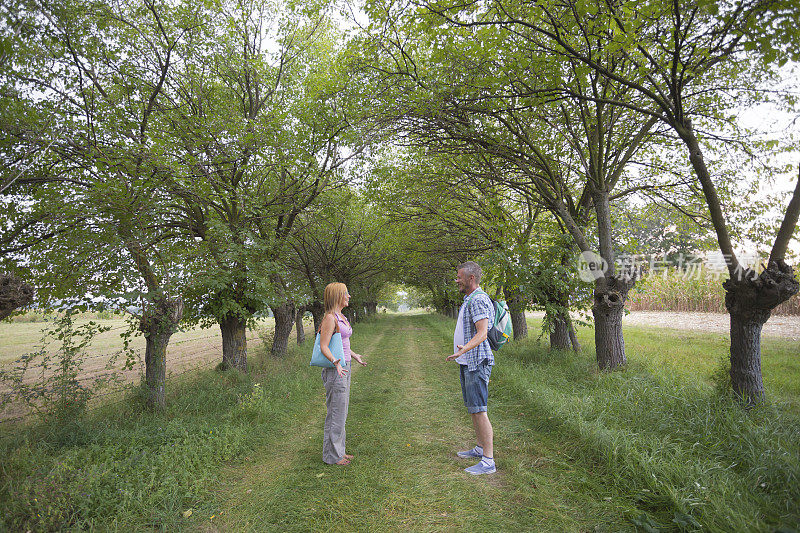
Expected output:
(336, 379)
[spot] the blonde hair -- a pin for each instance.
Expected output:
(334, 295)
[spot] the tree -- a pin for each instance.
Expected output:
(97, 72)
(13, 294)
(440, 216)
(661, 231)
(260, 134)
(510, 233)
(343, 239)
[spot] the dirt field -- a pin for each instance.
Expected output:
(188, 350)
(777, 326)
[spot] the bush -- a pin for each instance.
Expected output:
(57, 394)
(29, 316)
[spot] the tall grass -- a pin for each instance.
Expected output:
(700, 290)
(687, 455)
(126, 468)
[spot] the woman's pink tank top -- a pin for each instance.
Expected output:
(346, 330)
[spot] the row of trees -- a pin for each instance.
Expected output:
(571, 106)
(213, 161)
(172, 158)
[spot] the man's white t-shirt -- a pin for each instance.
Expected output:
(458, 336)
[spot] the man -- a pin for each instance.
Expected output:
(475, 359)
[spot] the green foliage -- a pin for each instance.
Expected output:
(657, 231)
(195, 155)
(252, 403)
(394, 295)
(344, 238)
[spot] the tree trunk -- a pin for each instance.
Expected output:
(349, 313)
(13, 294)
(298, 324)
(455, 308)
(746, 356)
(519, 324)
(610, 292)
(559, 335)
(516, 310)
(750, 300)
(284, 319)
(155, 370)
(317, 312)
(609, 304)
(234, 342)
(573, 337)
(372, 308)
(159, 321)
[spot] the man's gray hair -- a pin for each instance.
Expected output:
(471, 268)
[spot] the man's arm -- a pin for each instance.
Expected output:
(483, 329)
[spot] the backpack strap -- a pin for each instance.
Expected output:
(469, 298)
(494, 306)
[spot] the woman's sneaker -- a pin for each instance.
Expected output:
(486, 466)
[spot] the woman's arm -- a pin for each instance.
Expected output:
(357, 357)
(325, 334)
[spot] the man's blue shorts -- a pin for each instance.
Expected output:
(475, 386)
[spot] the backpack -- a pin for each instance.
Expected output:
(501, 329)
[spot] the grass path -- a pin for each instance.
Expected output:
(405, 424)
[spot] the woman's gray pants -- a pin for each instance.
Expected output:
(337, 399)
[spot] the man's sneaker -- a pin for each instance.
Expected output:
(484, 467)
(474, 453)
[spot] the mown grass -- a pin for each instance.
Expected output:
(405, 424)
(653, 447)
